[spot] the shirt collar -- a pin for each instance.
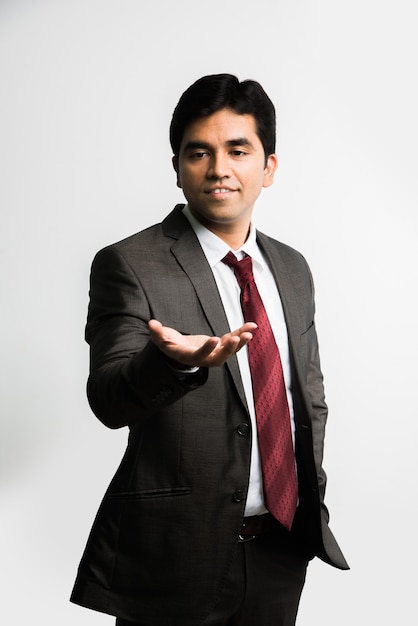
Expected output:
(215, 248)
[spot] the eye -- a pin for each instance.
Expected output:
(238, 153)
(198, 155)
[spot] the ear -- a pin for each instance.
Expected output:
(175, 163)
(270, 169)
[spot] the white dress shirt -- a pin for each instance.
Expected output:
(215, 250)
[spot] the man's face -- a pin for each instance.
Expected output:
(222, 168)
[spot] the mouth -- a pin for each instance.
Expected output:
(219, 191)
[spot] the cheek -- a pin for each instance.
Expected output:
(188, 178)
(255, 183)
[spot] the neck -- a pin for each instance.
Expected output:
(233, 233)
(234, 237)
(234, 241)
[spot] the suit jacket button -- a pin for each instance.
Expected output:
(238, 496)
(243, 429)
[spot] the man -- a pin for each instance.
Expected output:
(217, 505)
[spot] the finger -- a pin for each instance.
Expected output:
(243, 340)
(156, 331)
(244, 334)
(248, 327)
(165, 338)
(155, 326)
(201, 356)
(226, 347)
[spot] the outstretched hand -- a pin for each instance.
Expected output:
(199, 350)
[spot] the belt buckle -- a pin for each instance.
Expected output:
(245, 538)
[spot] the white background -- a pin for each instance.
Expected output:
(87, 92)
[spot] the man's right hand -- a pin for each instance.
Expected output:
(199, 350)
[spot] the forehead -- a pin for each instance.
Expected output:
(222, 127)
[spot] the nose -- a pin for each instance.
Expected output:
(219, 166)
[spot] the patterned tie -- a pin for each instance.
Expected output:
(270, 401)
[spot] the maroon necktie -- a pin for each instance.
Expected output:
(270, 400)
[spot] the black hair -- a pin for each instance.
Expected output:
(224, 91)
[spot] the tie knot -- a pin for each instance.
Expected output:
(243, 269)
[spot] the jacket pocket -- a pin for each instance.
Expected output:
(305, 347)
(149, 493)
(310, 328)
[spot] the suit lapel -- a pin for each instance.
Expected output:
(284, 283)
(190, 256)
(292, 310)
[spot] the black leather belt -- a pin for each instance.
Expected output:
(255, 525)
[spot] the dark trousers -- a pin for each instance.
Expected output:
(263, 587)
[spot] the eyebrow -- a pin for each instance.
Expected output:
(231, 143)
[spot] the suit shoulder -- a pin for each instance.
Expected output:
(127, 255)
(287, 252)
(133, 241)
(137, 248)
(152, 239)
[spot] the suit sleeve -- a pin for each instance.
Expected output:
(319, 412)
(130, 379)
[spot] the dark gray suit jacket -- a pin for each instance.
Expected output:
(167, 528)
